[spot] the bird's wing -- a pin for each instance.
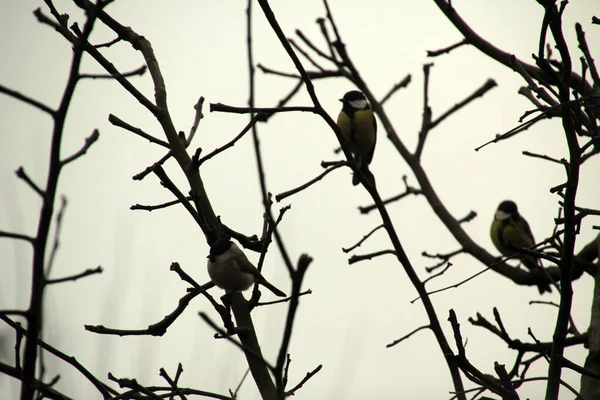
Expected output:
(524, 231)
(522, 237)
(245, 265)
(369, 156)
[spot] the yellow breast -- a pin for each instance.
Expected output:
(358, 131)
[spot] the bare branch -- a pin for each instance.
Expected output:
(108, 44)
(303, 381)
(487, 86)
(218, 107)
(157, 329)
(361, 241)
(268, 303)
(446, 50)
(306, 185)
(20, 172)
(426, 117)
(28, 100)
(89, 141)
(158, 206)
(87, 272)
(113, 119)
(244, 348)
(586, 53)
(172, 382)
(402, 84)
(105, 390)
(231, 143)
(454, 286)
(19, 236)
(138, 71)
(197, 118)
(542, 156)
(408, 190)
(370, 256)
(395, 342)
(168, 183)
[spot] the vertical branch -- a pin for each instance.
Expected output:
(570, 223)
(297, 278)
(251, 103)
(590, 387)
(34, 312)
(247, 334)
(241, 308)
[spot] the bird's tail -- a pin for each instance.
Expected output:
(272, 288)
(365, 171)
(532, 263)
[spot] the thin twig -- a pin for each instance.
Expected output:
(103, 388)
(87, 272)
(486, 87)
(157, 206)
(138, 71)
(370, 256)
(168, 183)
(586, 53)
(113, 119)
(303, 381)
(233, 141)
(20, 172)
(361, 241)
(172, 383)
(89, 141)
(541, 156)
(218, 107)
(28, 100)
(446, 50)
(402, 84)
(18, 236)
(454, 285)
(395, 342)
(291, 192)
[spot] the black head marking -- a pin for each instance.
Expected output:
(349, 102)
(508, 207)
(353, 95)
(219, 247)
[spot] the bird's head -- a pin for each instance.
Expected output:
(356, 100)
(506, 210)
(219, 247)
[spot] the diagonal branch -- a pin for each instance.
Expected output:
(28, 100)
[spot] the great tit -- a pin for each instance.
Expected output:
(359, 129)
(230, 269)
(509, 232)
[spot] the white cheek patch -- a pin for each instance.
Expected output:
(501, 215)
(359, 104)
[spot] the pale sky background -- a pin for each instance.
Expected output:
(355, 310)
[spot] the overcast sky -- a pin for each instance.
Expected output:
(355, 310)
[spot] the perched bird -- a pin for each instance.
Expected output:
(230, 269)
(359, 129)
(510, 232)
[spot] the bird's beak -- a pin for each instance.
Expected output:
(342, 100)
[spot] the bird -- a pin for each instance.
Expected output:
(509, 232)
(230, 269)
(358, 128)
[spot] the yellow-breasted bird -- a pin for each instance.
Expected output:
(359, 129)
(509, 232)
